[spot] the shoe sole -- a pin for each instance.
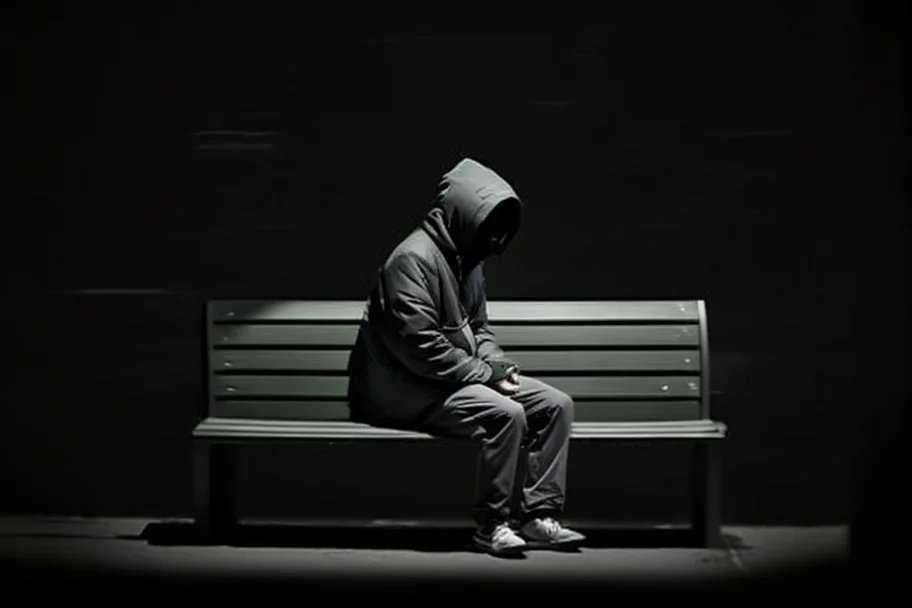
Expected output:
(543, 544)
(485, 548)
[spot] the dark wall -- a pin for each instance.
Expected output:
(682, 153)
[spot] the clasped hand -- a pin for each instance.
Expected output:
(509, 385)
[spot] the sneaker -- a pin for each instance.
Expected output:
(549, 532)
(501, 540)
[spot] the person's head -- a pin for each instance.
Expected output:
(476, 212)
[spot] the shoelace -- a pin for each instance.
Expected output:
(551, 527)
(501, 531)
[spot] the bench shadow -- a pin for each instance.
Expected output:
(430, 539)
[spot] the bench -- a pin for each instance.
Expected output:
(275, 372)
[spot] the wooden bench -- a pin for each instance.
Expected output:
(638, 372)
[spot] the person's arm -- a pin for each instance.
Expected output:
(416, 339)
(488, 348)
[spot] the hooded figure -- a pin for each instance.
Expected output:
(425, 330)
(426, 359)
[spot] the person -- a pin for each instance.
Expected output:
(425, 358)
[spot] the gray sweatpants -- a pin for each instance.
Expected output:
(535, 423)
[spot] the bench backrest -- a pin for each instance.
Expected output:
(620, 360)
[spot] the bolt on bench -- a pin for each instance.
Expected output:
(638, 372)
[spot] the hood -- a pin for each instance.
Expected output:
(466, 195)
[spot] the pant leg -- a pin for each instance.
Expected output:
(549, 417)
(480, 412)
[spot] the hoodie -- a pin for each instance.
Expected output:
(424, 331)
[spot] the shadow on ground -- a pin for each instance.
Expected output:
(424, 539)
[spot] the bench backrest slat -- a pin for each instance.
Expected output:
(508, 336)
(502, 310)
(534, 361)
(620, 360)
(592, 411)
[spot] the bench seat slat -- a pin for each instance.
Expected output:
(508, 336)
(228, 428)
(502, 310)
(532, 362)
(584, 411)
(577, 386)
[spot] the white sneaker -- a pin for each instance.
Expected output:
(502, 540)
(550, 533)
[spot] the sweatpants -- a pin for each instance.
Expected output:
(531, 428)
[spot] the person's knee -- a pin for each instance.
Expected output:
(511, 414)
(563, 405)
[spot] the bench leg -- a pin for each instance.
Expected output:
(214, 496)
(707, 497)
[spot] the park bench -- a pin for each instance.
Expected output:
(275, 372)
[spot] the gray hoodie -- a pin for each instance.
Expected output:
(424, 332)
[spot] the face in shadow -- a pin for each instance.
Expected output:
(497, 230)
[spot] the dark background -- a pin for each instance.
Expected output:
(746, 153)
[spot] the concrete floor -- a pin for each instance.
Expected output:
(48, 554)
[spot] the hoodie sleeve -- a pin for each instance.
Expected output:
(488, 348)
(416, 339)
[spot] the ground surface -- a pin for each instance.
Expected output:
(145, 556)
